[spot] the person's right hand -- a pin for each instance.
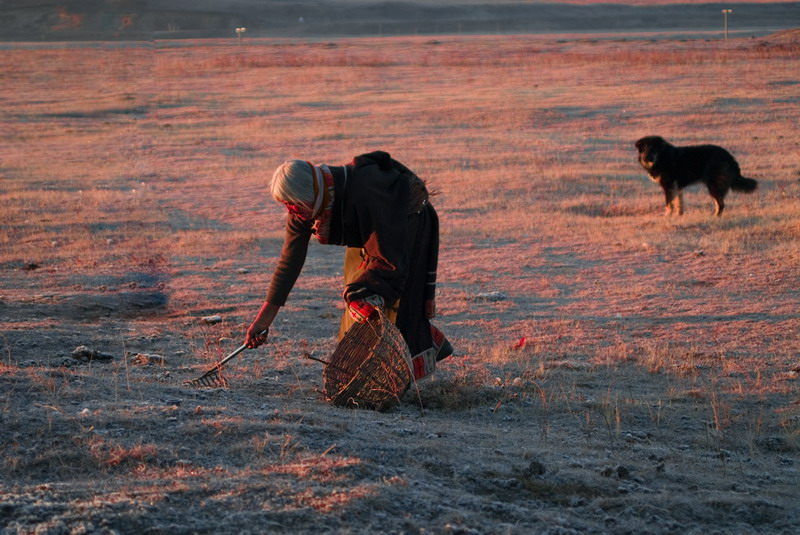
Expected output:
(259, 329)
(256, 335)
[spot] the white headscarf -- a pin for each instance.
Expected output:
(298, 182)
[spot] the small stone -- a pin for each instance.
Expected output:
(85, 353)
(635, 436)
(491, 296)
(211, 320)
(81, 352)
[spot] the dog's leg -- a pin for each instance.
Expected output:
(678, 202)
(717, 188)
(670, 195)
(719, 206)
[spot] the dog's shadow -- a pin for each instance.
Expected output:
(605, 211)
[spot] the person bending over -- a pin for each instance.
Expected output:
(381, 212)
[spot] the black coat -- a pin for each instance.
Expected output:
(372, 202)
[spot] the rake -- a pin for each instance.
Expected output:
(212, 378)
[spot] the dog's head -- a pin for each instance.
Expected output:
(649, 148)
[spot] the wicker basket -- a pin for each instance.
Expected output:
(370, 368)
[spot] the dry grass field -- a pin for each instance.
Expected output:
(617, 371)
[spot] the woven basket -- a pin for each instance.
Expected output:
(370, 368)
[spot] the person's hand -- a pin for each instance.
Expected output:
(430, 308)
(256, 335)
(259, 329)
(362, 309)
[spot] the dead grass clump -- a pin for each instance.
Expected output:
(8, 369)
(443, 395)
(335, 500)
(115, 455)
(790, 441)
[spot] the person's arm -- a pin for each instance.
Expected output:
(293, 256)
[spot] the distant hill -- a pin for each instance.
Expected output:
(146, 19)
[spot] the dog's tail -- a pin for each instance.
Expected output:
(744, 184)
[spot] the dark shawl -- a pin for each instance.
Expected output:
(372, 201)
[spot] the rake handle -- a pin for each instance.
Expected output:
(235, 352)
(231, 355)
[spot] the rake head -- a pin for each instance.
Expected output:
(210, 379)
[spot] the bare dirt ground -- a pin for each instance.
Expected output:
(616, 371)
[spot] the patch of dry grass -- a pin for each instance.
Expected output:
(133, 203)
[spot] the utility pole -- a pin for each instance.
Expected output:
(725, 16)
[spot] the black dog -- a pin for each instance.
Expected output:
(675, 168)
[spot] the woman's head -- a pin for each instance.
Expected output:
(293, 184)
